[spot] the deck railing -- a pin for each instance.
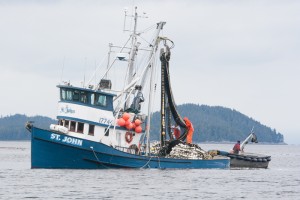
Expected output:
(135, 151)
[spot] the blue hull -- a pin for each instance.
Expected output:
(58, 151)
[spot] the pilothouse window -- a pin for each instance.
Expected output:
(69, 95)
(93, 99)
(100, 100)
(83, 97)
(76, 95)
(63, 94)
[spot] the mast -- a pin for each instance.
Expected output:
(132, 55)
(156, 41)
(108, 59)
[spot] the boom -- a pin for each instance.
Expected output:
(251, 137)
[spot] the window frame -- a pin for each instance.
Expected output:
(67, 124)
(91, 130)
(83, 97)
(73, 129)
(99, 97)
(76, 95)
(79, 124)
(63, 94)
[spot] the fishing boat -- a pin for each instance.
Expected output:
(101, 127)
(245, 159)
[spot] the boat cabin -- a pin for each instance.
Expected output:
(88, 114)
(84, 112)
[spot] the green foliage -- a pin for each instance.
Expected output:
(219, 124)
(13, 127)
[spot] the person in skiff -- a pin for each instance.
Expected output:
(176, 131)
(237, 147)
(190, 128)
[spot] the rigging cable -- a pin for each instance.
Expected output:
(97, 158)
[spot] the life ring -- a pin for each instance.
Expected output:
(128, 137)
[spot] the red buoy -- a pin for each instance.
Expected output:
(138, 129)
(126, 116)
(137, 122)
(127, 122)
(129, 126)
(133, 125)
(121, 122)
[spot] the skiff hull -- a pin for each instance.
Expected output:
(249, 160)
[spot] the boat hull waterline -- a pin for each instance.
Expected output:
(249, 160)
(54, 150)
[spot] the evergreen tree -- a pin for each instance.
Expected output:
(13, 127)
(219, 124)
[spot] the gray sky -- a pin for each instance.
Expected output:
(244, 55)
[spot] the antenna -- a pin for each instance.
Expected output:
(125, 12)
(95, 72)
(62, 70)
(135, 16)
(85, 63)
(110, 45)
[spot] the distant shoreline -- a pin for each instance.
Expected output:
(259, 143)
(210, 142)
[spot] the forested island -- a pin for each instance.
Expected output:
(211, 124)
(220, 124)
(13, 127)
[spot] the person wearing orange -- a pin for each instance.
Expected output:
(189, 125)
(237, 147)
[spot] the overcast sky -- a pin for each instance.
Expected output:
(244, 55)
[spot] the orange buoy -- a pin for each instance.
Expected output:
(129, 126)
(137, 122)
(126, 116)
(127, 122)
(133, 125)
(121, 122)
(138, 129)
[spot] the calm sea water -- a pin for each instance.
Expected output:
(280, 181)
